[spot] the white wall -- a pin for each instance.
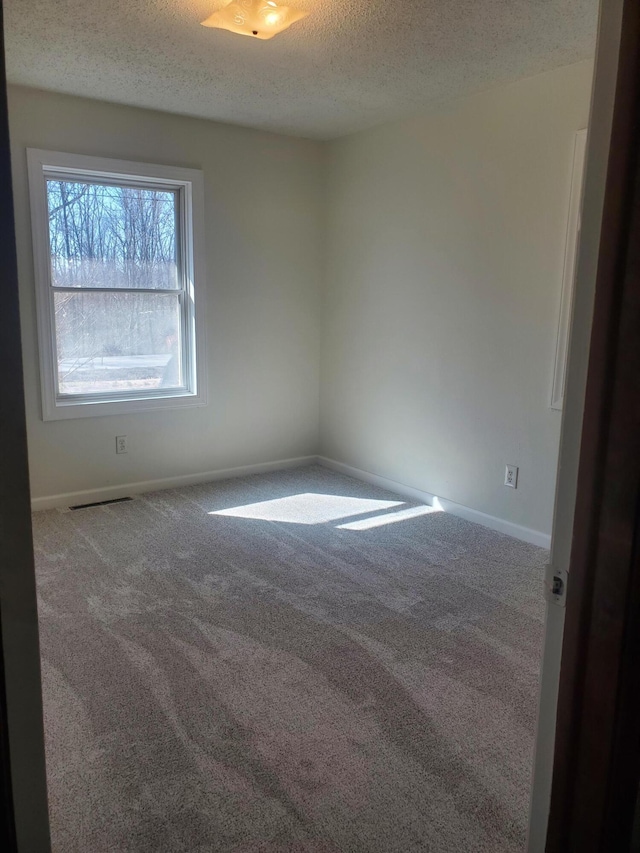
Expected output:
(442, 242)
(264, 233)
(445, 240)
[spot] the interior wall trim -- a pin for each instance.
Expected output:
(526, 534)
(67, 499)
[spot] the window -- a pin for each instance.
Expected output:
(119, 282)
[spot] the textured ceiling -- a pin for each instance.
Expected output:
(350, 65)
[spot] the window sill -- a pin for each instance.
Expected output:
(57, 411)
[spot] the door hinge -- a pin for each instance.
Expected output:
(555, 585)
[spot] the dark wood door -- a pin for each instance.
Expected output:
(24, 818)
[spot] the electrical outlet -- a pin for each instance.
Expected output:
(121, 444)
(511, 476)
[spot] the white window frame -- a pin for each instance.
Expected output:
(572, 243)
(189, 185)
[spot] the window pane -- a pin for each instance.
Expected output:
(111, 236)
(117, 342)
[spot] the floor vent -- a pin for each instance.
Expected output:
(101, 503)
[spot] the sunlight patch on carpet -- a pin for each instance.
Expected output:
(307, 508)
(388, 518)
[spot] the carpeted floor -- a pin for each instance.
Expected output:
(286, 663)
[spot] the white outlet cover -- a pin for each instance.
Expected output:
(511, 476)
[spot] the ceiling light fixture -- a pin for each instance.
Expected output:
(261, 19)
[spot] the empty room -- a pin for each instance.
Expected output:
(295, 297)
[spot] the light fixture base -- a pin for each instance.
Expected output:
(260, 19)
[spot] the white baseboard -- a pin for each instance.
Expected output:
(535, 537)
(526, 534)
(110, 492)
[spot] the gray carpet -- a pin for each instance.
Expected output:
(286, 663)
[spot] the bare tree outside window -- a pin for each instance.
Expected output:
(111, 247)
(120, 282)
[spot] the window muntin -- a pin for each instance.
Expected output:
(116, 291)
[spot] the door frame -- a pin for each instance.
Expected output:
(596, 763)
